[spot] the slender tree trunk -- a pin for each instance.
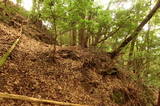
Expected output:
(81, 37)
(131, 52)
(147, 41)
(158, 103)
(55, 37)
(5, 2)
(137, 30)
(86, 39)
(74, 37)
(130, 56)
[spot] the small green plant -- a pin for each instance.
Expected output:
(119, 96)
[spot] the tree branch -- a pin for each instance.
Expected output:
(31, 99)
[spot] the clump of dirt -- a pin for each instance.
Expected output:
(68, 54)
(119, 96)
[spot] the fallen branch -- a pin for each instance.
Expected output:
(31, 99)
(5, 56)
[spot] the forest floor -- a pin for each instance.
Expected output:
(72, 74)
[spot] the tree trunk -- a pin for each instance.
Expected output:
(80, 34)
(147, 44)
(74, 37)
(131, 52)
(131, 49)
(86, 39)
(55, 37)
(158, 103)
(136, 31)
(81, 37)
(5, 2)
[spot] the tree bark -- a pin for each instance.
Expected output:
(158, 103)
(136, 31)
(81, 36)
(83, 39)
(86, 39)
(74, 37)
(5, 2)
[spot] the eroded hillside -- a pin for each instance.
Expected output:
(72, 74)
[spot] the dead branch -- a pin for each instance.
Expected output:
(31, 99)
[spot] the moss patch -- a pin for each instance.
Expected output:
(119, 96)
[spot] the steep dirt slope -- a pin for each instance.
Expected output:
(17, 18)
(74, 75)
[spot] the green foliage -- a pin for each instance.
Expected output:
(119, 96)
